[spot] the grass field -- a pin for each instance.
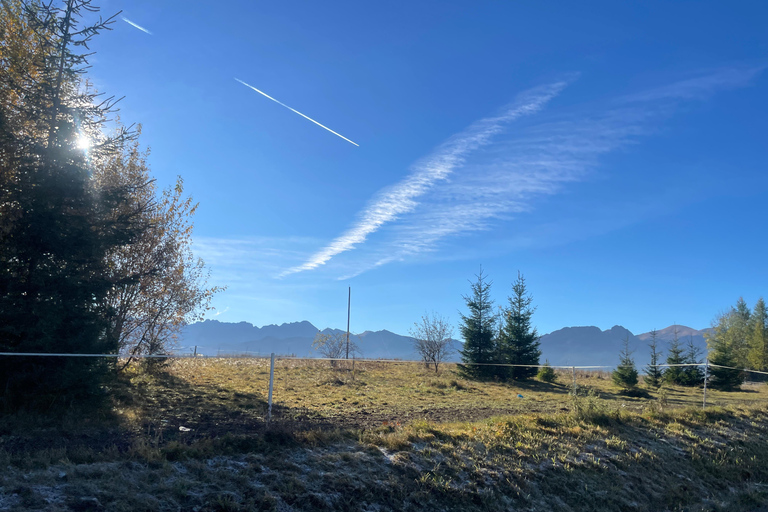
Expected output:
(386, 436)
(200, 393)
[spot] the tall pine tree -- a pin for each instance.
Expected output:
(477, 330)
(518, 340)
(653, 373)
(57, 226)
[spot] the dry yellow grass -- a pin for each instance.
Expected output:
(389, 436)
(376, 393)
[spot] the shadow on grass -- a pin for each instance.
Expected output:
(537, 386)
(146, 412)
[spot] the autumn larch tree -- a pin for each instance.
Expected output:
(57, 226)
(758, 337)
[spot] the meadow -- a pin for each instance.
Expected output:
(386, 436)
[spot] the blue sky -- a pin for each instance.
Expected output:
(613, 152)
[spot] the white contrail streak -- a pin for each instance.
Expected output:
(401, 198)
(296, 111)
(135, 25)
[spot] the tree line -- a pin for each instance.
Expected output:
(737, 342)
(496, 339)
(94, 258)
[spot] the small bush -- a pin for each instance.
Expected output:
(546, 373)
(589, 408)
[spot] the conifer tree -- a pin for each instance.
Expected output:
(57, 226)
(546, 373)
(625, 375)
(675, 356)
(723, 372)
(739, 333)
(518, 342)
(477, 330)
(758, 337)
(653, 373)
(692, 375)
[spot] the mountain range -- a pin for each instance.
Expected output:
(579, 346)
(212, 337)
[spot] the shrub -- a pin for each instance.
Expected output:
(589, 408)
(546, 373)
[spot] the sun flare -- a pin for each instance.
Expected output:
(83, 142)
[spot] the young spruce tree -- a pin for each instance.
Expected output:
(518, 340)
(693, 375)
(722, 358)
(653, 373)
(477, 330)
(675, 356)
(625, 375)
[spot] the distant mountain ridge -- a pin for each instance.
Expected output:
(583, 346)
(578, 346)
(212, 337)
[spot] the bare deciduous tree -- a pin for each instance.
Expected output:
(432, 339)
(334, 345)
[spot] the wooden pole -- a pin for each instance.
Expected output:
(349, 305)
(271, 384)
(195, 354)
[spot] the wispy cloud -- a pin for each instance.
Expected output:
(488, 175)
(296, 111)
(222, 311)
(701, 86)
(136, 25)
(401, 198)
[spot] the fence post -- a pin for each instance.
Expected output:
(271, 383)
(706, 376)
(573, 373)
(195, 354)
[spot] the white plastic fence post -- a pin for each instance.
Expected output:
(573, 373)
(271, 383)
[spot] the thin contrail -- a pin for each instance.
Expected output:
(293, 110)
(135, 25)
(402, 197)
